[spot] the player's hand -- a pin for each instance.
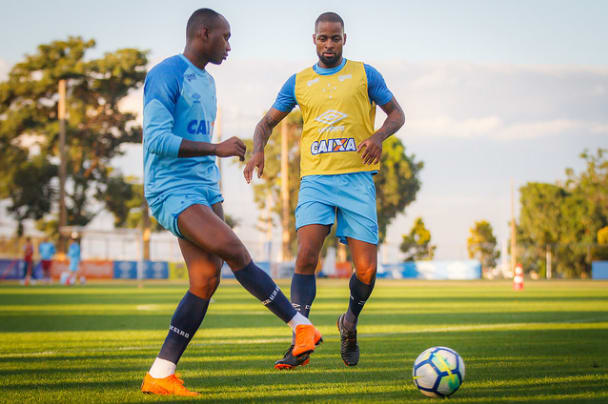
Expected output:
(231, 147)
(257, 160)
(372, 150)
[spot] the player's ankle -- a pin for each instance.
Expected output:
(297, 320)
(162, 368)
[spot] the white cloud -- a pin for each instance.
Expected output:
(494, 127)
(527, 130)
(446, 126)
(600, 129)
(133, 103)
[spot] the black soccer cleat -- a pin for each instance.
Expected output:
(289, 361)
(348, 345)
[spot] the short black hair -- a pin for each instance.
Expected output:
(202, 17)
(329, 17)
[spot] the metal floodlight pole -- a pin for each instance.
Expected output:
(548, 261)
(61, 113)
(285, 190)
(513, 232)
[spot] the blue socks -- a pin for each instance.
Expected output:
(359, 293)
(303, 292)
(187, 318)
(258, 283)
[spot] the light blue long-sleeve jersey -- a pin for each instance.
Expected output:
(179, 103)
(74, 252)
(46, 250)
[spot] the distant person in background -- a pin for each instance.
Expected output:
(46, 249)
(28, 259)
(74, 257)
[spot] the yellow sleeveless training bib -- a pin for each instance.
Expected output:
(338, 115)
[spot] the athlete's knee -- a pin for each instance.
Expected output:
(236, 255)
(205, 288)
(366, 269)
(307, 259)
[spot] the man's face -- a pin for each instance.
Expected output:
(218, 44)
(329, 38)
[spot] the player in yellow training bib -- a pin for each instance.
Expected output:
(340, 151)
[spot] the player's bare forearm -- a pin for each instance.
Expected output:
(190, 148)
(395, 118)
(230, 147)
(371, 148)
(262, 133)
(264, 128)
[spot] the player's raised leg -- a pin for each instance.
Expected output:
(204, 276)
(365, 257)
(303, 283)
(199, 225)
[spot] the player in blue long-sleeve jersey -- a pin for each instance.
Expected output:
(181, 187)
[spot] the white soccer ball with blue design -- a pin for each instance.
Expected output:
(438, 372)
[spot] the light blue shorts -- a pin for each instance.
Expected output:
(166, 210)
(349, 199)
(74, 264)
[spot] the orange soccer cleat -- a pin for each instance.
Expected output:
(170, 385)
(307, 338)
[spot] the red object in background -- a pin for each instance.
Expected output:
(91, 269)
(518, 279)
(343, 270)
(97, 269)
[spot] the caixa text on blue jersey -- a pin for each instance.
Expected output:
(202, 127)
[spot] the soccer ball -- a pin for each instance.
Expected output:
(438, 372)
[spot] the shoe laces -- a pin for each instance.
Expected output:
(180, 384)
(286, 354)
(348, 336)
(178, 377)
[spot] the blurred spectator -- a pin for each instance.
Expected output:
(74, 257)
(28, 259)
(47, 251)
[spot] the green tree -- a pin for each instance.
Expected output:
(566, 217)
(601, 252)
(602, 236)
(267, 192)
(95, 127)
(397, 182)
(417, 244)
(481, 244)
(30, 191)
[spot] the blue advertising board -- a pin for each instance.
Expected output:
(125, 269)
(11, 269)
(599, 270)
(151, 270)
(468, 269)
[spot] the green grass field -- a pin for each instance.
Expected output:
(94, 343)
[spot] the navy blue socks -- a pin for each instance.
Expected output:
(187, 318)
(303, 292)
(359, 293)
(258, 283)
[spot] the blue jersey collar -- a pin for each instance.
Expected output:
(196, 69)
(324, 72)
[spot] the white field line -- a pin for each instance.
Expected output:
(503, 326)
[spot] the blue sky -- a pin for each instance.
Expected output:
(493, 90)
(522, 32)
